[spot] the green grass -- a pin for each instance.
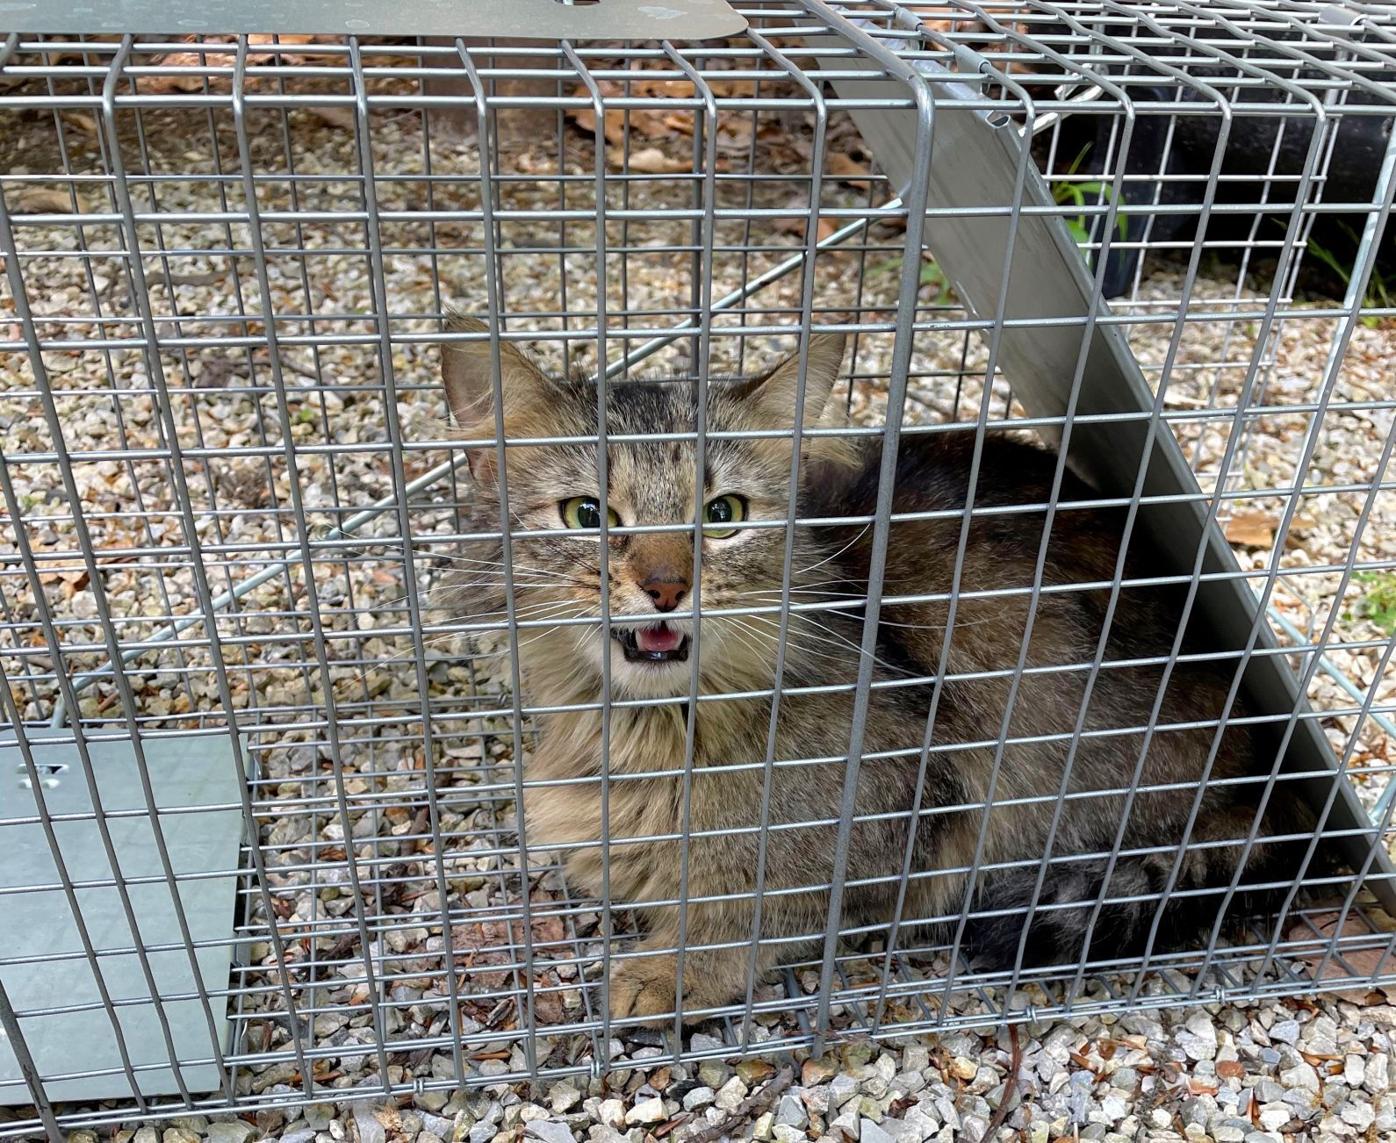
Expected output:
(1076, 194)
(1380, 294)
(1377, 602)
(931, 277)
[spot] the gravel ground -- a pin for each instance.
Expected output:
(1277, 1069)
(1286, 1070)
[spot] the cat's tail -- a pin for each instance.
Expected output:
(1086, 908)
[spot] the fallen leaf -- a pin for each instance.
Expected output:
(335, 116)
(680, 122)
(1251, 528)
(200, 63)
(653, 161)
(796, 224)
(848, 170)
(614, 130)
(547, 1007)
(81, 120)
(71, 581)
(653, 124)
(40, 200)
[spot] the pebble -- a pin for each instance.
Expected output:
(870, 1132)
(1301, 1075)
(962, 1068)
(1198, 1038)
(791, 1111)
(611, 1112)
(698, 1097)
(647, 1111)
(731, 1094)
(549, 1131)
(1376, 1077)
(842, 1088)
(232, 1131)
(713, 1073)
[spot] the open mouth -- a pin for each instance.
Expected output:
(657, 644)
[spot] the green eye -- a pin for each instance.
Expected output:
(721, 511)
(585, 512)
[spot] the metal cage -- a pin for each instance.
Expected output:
(272, 796)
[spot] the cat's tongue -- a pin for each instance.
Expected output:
(655, 639)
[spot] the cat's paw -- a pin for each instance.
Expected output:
(644, 986)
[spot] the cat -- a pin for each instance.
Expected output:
(653, 797)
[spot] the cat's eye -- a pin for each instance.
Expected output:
(585, 512)
(721, 511)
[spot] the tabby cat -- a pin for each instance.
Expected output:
(653, 797)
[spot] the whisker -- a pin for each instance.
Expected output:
(840, 641)
(836, 554)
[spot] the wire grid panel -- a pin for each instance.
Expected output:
(237, 507)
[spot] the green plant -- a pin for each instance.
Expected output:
(1072, 193)
(1377, 602)
(933, 276)
(930, 275)
(1380, 293)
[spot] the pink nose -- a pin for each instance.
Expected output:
(666, 593)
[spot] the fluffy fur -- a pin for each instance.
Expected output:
(651, 793)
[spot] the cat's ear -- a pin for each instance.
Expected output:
(776, 390)
(467, 374)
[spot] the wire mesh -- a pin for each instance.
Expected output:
(234, 498)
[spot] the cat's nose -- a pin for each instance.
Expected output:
(666, 593)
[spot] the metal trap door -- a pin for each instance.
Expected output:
(52, 983)
(519, 19)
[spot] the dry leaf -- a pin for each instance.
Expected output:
(680, 122)
(848, 171)
(652, 124)
(614, 130)
(1251, 528)
(796, 224)
(335, 116)
(653, 161)
(547, 1007)
(186, 82)
(80, 120)
(40, 200)
(71, 581)
(213, 56)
